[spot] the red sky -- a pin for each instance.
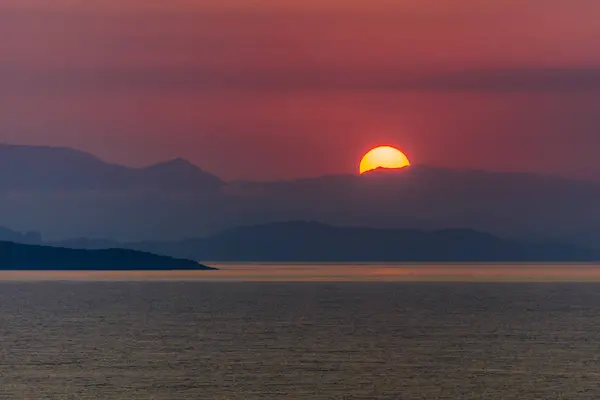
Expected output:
(280, 89)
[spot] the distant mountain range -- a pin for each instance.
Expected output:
(57, 168)
(312, 242)
(14, 256)
(8, 235)
(65, 193)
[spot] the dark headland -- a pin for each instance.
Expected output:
(14, 256)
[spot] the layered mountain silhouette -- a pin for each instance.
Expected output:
(8, 235)
(57, 168)
(311, 241)
(65, 194)
(14, 256)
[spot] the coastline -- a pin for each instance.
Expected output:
(351, 273)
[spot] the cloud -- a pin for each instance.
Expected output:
(381, 45)
(507, 80)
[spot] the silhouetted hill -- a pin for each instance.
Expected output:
(421, 197)
(83, 243)
(14, 256)
(66, 194)
(8, 235)
(58, 168)
(308, 241)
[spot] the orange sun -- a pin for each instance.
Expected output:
(383, 157)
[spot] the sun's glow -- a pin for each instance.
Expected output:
(383, 157)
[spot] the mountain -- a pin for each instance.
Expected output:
(69, 194)
(8, 235)
(519, 205)
(14, 256)
(57, 168)
(83, 243)
(310, 241)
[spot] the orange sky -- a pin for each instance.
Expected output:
(272, 89)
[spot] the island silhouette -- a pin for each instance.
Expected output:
(15, 256)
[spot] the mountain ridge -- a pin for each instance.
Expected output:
(176, 199)
(310, 241)
(16, 256)
(63, 168)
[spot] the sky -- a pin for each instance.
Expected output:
(279, 89)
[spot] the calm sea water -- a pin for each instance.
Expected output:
(189, 339)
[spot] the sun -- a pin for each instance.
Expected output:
(383, 157)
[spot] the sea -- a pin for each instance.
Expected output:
(302, 331)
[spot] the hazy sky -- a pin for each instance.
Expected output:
(287, 88)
